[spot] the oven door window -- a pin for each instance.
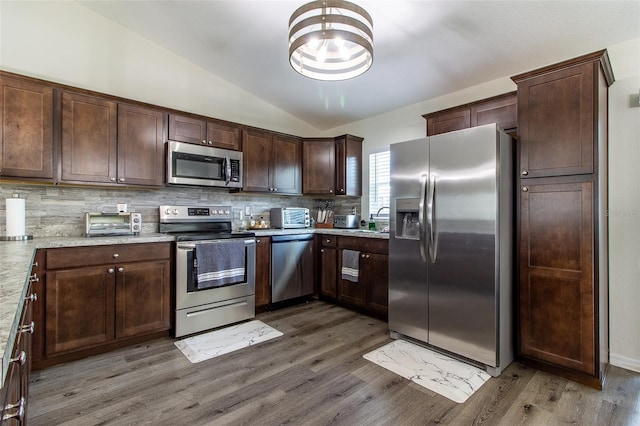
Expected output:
(192, 275)
(197, 166)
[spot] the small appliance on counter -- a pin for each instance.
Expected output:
(346, 221)
(290, 217)
(105, 224)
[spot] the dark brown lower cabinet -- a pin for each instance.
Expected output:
(559, 314)
(371, 291)
(263, 271)
(328, 265)
(103, 298)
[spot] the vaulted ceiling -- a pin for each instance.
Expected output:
(423, 49)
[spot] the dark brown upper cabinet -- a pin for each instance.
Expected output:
(140, 145)
(104, 142)
(319, 166)
(560, 117)
(204, 132)
(26, 131)
(271, 162)
(501, 109)
(348, 165)
(89, 139)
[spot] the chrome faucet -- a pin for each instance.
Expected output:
(382, 208)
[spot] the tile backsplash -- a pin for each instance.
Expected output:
(59, 210)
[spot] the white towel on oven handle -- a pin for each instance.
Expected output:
(220, 263)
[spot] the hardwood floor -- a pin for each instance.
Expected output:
(313, 375)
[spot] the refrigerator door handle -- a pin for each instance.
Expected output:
(431, 220)
(421, 214)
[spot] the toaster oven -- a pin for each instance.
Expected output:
(290, 217)
(102, 224)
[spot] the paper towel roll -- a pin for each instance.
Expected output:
(15, 217)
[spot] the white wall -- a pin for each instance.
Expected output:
(68, 43)
(624, 205)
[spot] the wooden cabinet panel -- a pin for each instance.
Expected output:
(263, 271)
(318, 166)
(502, 110)
(286, 162)
(557, 304)
(187, 129)
(143, 298)
(271, 163)
(224, 136)
(556, 128)
(371, 290)
(26, 129)
(448, 121)
(89, 139)
(79, 308)
(203, 132)
(140, 146)
(348, 165)
(328, 266)
(376, 271)
(256, 153)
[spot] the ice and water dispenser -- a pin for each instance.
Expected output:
(407, 218)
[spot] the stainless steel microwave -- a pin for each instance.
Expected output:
(197, 165)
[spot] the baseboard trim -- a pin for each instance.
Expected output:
(624, 362)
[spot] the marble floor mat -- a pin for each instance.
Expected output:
(215, 343)
(439, 373)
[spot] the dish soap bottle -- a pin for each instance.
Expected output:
(372, 223)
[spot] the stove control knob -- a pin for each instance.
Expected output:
(220, 211)
(175, 211)
(167, 211)
(226, 211)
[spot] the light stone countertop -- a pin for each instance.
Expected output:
(16, 260)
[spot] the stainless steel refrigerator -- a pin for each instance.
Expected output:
(451, 244)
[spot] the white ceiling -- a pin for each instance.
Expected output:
(422, 49)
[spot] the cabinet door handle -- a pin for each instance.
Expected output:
(204, 142)
(321, 250)
(112, 179)
(525, 189)
(35, 264)
(34, 278)
(111, 270)
(121, 179)
(257, 241)
(210, 143)
(33, 297)
(20, 359)
(116, 255)
(28, 328)
(120, 269)
(18, 414)
(331, 191)
(525, 173)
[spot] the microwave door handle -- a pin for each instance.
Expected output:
(227, 169)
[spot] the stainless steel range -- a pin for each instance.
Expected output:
(229, 296)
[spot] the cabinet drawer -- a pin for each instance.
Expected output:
(72, 257)
(369, 245)
(328, 240)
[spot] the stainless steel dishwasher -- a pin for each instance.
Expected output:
(291, 266)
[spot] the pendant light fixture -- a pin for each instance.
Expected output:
(330, 40)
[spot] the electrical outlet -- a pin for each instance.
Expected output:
(247, 210)
(122, 207)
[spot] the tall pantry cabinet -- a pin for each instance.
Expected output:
(562, 205)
